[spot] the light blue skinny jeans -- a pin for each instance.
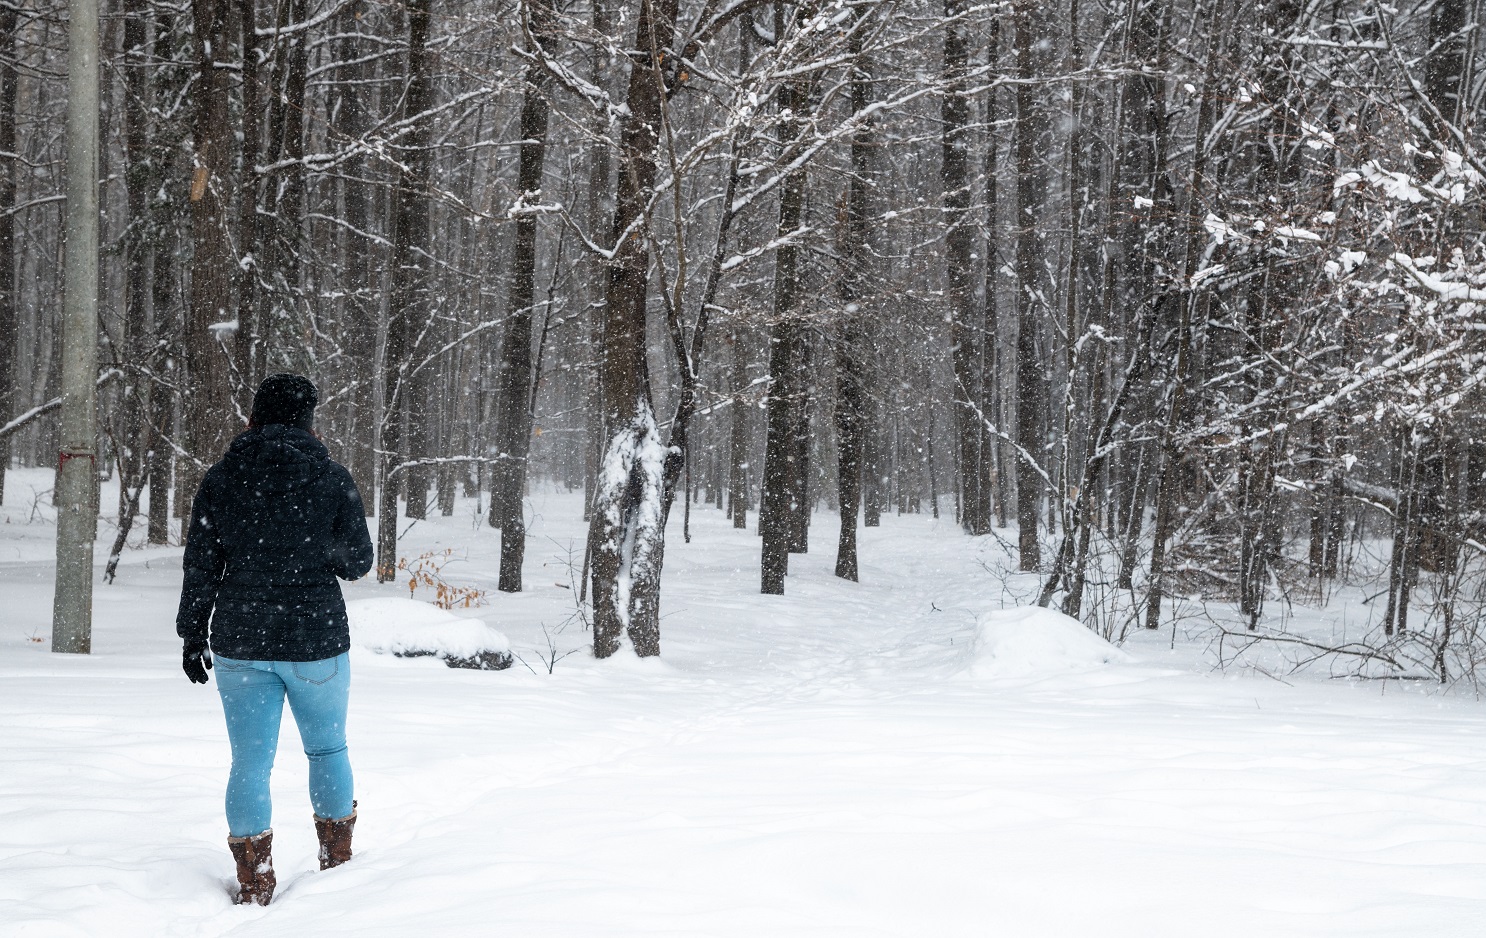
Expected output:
(253, 695)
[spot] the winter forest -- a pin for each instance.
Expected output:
(1166, 317)
(1183, 297)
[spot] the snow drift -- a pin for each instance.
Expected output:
(411, 629)
(1032, 641)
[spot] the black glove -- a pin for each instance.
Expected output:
(196, 661)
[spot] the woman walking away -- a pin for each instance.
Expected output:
(273, 524)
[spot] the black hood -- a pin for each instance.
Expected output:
(276, 458)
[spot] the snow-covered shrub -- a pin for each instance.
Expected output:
(1032, 642)
(407, 628)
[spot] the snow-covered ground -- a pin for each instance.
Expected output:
(889, 758)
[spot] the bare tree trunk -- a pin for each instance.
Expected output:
(247, 344)
(77, 476)
(408, 307)
(292, 332)
(1181, 294)
(850, 361)
(362, 306)
(10, 321)
(785, 456)
(802, 408)
(781, 457)
(738, 446)
(1403, 560)
(278, 228)
(165, 290)
(1030, 397)
(625, 535)
(993, 486)
(210, 421)
(598, 183)
(421, 435)
(162, 413)
(875, 483)
(959, 268)
(514, 415)
(419, 383)
(165, 286)
(130, 434)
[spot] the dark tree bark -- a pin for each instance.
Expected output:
(1143, 245)
(162, 399)
(514, 413)
(210, 418)
(599, 169)
(129, 433)
(738, 444)
(421, 431)
(1030, 385)
(165, 287)
(10, 321)
(782, 469)
(787, 447)
(1444, 67)
(688, 351)
(994, 478)
(408, 306)
(876, 485)
(248, 343)
(362, 309)
(849, 349)
(628, 492)
(419, 383)
(959, 269)
(1180, 295)
(278, 229)
(1269, 304)
(801, 498)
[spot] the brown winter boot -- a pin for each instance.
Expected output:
(335, 838)
(254, 856)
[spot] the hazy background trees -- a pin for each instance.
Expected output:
(1175, 298)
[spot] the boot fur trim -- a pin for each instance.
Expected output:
(254, 856)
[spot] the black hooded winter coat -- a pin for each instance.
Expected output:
(273, 524)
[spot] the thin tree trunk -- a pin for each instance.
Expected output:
(993, 480)
(362, 309)
(10, 322)
(408, 307)
(850, 351)
(738, 447)
(514, 414)
(959, 268)
(784, 457)
(164, 288)
(131, 439)
(1030, 399)
(1168, 479)
(249, 328)
(599, 167)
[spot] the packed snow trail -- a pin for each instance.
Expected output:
(840, 761)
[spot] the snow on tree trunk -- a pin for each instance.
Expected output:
(626, 534)
(629, 548)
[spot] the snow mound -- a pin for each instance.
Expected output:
(411, 629)
(1032, 641)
